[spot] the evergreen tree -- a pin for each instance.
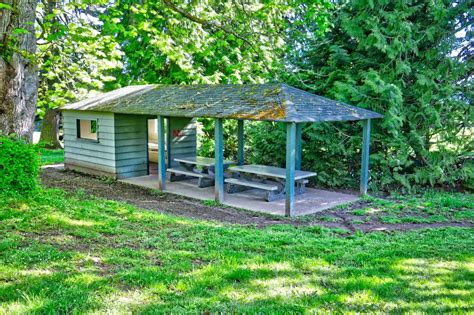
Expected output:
(412, 61)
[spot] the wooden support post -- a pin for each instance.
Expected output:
(290, 169)
(219, 157)
(364, 172)
(161, 154)
(169, 133)
(299, 145)
(240, 136)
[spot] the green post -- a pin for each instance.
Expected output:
(290, 169)
(299, 145)
(219, 157)
(169, 133)
(364, 173)
(161, 154)
(240, 136)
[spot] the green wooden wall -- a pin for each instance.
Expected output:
(131, 149)
(121, 148)
(181, 139)
(89, 156)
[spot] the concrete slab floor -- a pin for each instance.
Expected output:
(312, 201)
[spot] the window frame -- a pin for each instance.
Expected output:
(78, 129)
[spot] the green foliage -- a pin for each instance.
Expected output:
(402, 59)
(51, 156)
(75, 58)
(205, 42)
(19, 166)
(76, 254)
(206, 138)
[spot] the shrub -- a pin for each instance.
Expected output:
(19, 166)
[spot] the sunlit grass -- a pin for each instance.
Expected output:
(61, 254)
(428, 207)
(51, 156)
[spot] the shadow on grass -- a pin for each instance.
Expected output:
(61, 255)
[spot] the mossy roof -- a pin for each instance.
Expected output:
(270, 102)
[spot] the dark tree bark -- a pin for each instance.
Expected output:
(50, 129)
(18, 69)
(50, 124)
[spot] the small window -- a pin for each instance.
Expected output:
(87, 129)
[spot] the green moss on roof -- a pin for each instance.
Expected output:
(272, 101)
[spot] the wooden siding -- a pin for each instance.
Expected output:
(131, 134)
(121, 149)
(89, 156)
(181, 138)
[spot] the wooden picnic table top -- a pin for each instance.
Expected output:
(270, 171)
(201, 161)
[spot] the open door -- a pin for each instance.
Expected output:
(152, 147)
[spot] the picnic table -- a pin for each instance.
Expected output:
(257, 176)
(195, 166)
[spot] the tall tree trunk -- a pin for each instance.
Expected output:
(18, 70)
(50, 124)
(50, 129)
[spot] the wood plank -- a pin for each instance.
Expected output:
(130, 135)
(240, 142)
(106, 142)
(130, 148)
(72, 151)
(219, 160)
(299, 145)
(180, 152)
(290, 169)
(201, 161)
(124, 143)
(184, 171)
(129, 162)
(187, 144)
(161, 154)
(91, 166)
(131, 168)
(364, 172)
(71, 121)
(136, 173)
(88, 146)
(90, 159)
(248, 183)
(88, 170)
(130, 155)
(270, 171)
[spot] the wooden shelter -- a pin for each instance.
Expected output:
(116, 124)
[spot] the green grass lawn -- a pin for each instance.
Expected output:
(61, 254)
(427, 207)
(51, 156)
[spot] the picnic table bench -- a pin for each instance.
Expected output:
(188, 167)
(256, 176)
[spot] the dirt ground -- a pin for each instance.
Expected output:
(73, 182)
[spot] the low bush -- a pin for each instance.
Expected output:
(19, 166)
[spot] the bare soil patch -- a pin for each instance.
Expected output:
(73, 182)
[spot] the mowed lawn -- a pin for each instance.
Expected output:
(51, 156)
(79, 254)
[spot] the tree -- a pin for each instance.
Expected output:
(211, 42)
(202, 42)
(75, 58)
(403, 59)
(18, 70)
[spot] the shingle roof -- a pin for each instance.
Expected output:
(272, 102)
